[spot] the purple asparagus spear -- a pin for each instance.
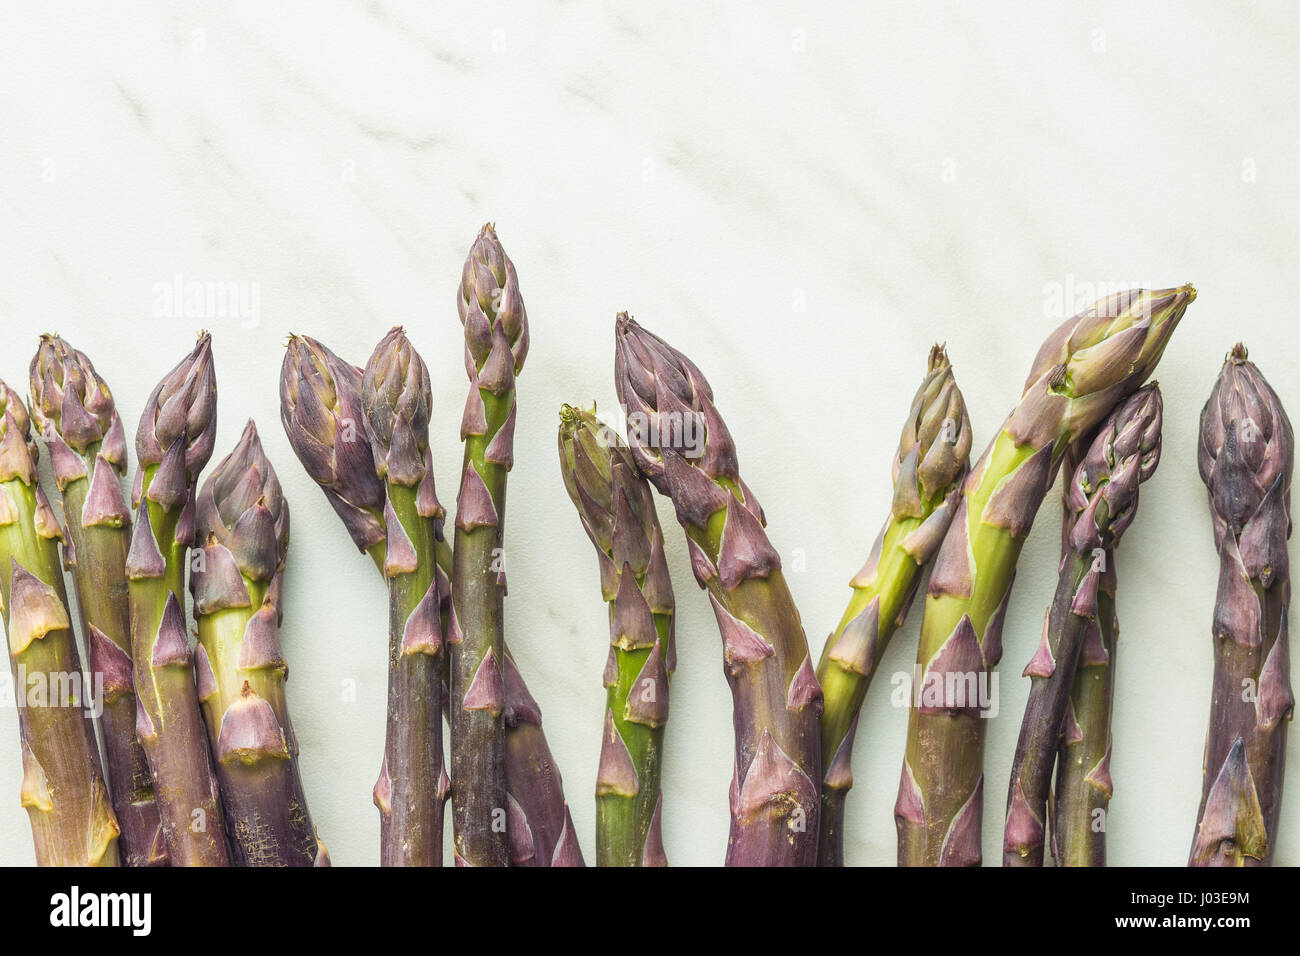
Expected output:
(496, 345)
(396, 396)
(682, 445)
(173, 444)
(1102, 497)
(1246, 457)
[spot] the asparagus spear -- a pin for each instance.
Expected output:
(932, 460)
(1083, 369)
(74, 411)
(322, 414)
(243, 522)
(496, 344)
(320, 408)
(63, 787)
(617, 511)
(540, 827)
(1083, 790)
(173, 443)
(1102, 497)
(682, 445)
(1246, 456)
(1081, 798)
(397, 400)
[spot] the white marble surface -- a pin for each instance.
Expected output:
(803, 197)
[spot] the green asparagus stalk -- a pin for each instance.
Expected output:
(682, 445)
(1102, 495)
(74, 412)
(496, 345)
(396, 396)
(1089, 364)
(173, 443)
(617, 511)
(1081, 799)
(63, 786)
(236, 580)
(931, 463)
(320, 408)
(1246, 456)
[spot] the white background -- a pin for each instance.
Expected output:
(801, 198)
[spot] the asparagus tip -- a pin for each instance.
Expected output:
(572, 415)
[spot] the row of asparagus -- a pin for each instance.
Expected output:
(200, 760)
(200, 753)
(1084, 409)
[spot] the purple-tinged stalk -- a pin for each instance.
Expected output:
(932, 460)
(1088, 365)
(1102, 498)
(616, 507)
(496, 345)
(320, 408)
(682, 445)
(63, 786)
(540, 826)
(173, 444)
(236, 579)
(397, 399)
(1246, 456)
(1081, 798)
(74, 412)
